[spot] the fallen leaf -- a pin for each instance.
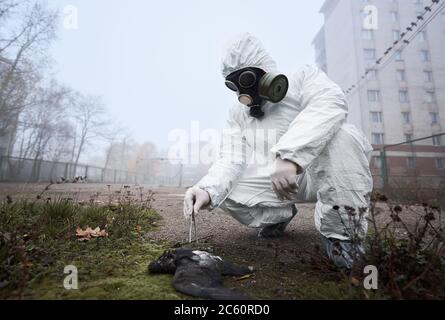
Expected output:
(355, 282)
(88, 233)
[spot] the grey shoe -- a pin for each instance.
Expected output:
(277, 230)
(342, 253)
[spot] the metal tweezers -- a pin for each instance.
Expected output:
(192, 229)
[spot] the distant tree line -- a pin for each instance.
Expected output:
(42, 119)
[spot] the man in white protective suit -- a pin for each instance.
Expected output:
(312, 154)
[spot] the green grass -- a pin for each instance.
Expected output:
(107, 270)
(37, 241)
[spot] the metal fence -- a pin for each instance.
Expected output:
(14, 169)
(418, 163)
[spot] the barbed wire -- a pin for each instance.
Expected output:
(416, 27)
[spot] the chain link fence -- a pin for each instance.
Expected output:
(14, 169)
(418, 164)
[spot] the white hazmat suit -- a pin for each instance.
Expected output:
(310, 130)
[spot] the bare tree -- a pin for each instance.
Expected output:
(112, 135)
(44, 123)
(26, 30)
(90, 121)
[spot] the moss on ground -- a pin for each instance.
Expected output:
(107, 272)
(37, 241)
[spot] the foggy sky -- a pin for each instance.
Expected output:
(157, 63)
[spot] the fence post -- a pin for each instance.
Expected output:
(66, 171)
(39, 165)
(181, 170)
(1, 168)
(384, 168)
(86, 171)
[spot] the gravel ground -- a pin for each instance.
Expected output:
(275, 261)
(279, 263)
(286, 268)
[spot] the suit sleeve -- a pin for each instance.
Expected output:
(230, 165)
(324, 112)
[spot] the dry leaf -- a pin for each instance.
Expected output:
(88, 233)
(355, 282)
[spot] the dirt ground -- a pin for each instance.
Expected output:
(278, 262)
(282, 265)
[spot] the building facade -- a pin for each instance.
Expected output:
(400, 99)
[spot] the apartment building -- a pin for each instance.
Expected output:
(400, 99)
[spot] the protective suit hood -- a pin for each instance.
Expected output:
(246, 51)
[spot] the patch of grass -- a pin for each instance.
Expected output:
(405, 243)
(37, 241)
(408, 247)
(107, 270)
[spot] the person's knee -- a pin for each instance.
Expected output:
(240, 213)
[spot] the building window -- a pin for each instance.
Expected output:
(409, 137)
(394, 16)
(437, 141)
(401, 75)
(373, 95)
(369, 54)
(376, 117)
(425, 55)
(398, 55)
(411, 163)
(406, 116)
(396, 35)
(367, 34)
(430, 97)
(403, 96)
(423, 36)
(440, 164)
(377, 138)
(371, 74)
(378, 163)
(434, 118)
(428, 76)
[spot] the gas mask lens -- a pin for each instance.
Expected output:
(231, 86)
(245, 99)
(247, 79)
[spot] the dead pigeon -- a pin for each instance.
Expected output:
(200, 274)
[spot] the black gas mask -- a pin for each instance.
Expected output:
(254, 86)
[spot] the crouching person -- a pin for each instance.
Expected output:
(317, 156)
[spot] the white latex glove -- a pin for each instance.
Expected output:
(284, 178)
(195, 199)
